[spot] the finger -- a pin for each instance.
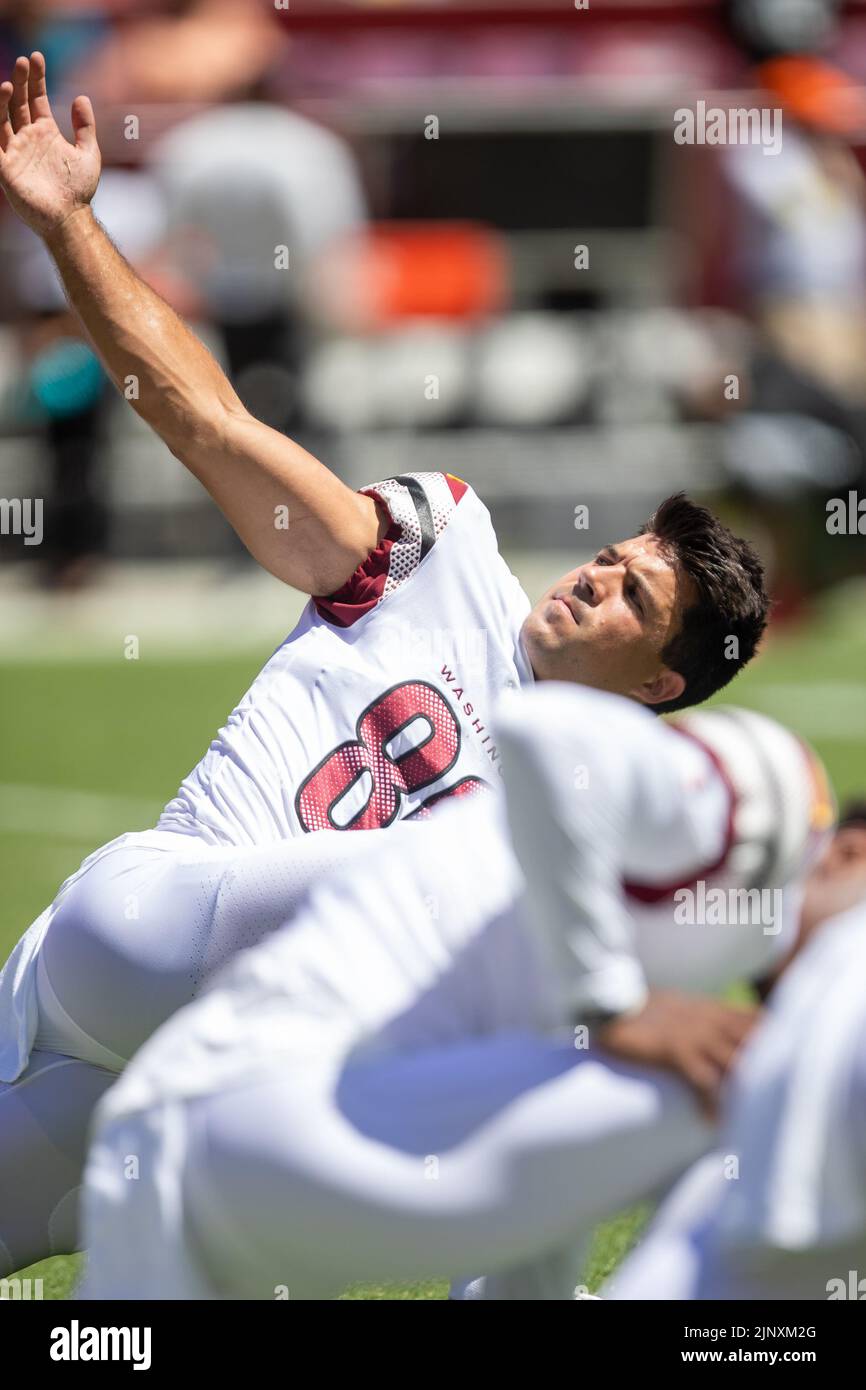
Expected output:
(19, 106)
(84, 124)
(704, 1076)
(695, 1061)
(738, 1026)
(721, 1049)
(6, 131)
(735, 1020)
(37, 91)
(709, 1105)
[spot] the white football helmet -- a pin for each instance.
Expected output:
(784, 808)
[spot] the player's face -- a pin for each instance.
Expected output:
(838, 880)
(607, 623)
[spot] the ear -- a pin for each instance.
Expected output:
(667, 685)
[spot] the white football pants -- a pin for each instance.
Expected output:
(129, 942)
(497, 1154)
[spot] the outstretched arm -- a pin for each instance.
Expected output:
(258, 477)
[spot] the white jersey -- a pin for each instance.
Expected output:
(381, 701)
(796, 1112)
(793, 1225)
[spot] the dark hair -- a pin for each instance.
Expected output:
(852, 813)
(732, 600)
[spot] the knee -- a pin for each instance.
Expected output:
(83, 931)
(118, 956)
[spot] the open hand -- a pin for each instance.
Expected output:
(45, 178)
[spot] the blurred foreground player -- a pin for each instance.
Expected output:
(749, 785)
(376, 707)
(778, 1211)
(398, 1085)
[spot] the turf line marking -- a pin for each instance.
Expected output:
(66, 813)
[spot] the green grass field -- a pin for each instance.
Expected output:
(93, 748)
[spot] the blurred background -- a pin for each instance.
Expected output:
(461, 235)
(428, 234)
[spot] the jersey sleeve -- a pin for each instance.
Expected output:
(420, 506)
(597, 788)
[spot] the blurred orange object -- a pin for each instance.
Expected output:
(816, 94)
(445, 270)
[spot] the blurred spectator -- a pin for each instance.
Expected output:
(253, 191)
(187, 51)
(254, 194)
(66, 34)
(802, 224)
(66, 383)
(800, 262)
